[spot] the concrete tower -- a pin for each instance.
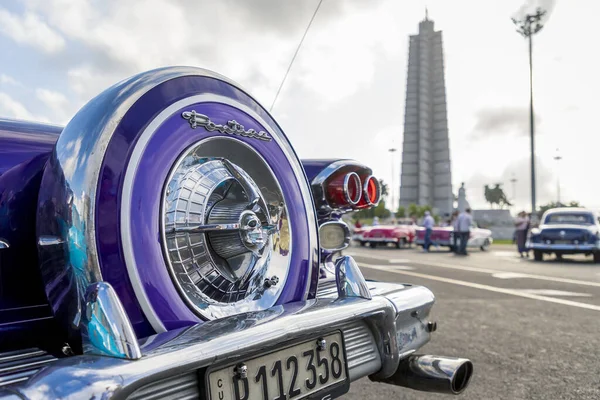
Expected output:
(426, 173)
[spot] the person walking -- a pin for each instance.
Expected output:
(428, 222)
(465, 220)
(521, 227)
(454, 225)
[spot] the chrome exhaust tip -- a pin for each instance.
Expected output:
(436, 374)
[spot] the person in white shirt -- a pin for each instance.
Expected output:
(428, 223)
(521, 225)
(464, 222)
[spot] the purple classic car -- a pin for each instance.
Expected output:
(168, 243)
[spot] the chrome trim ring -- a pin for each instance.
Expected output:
(347, 235)
(354, 176)
(366, 190)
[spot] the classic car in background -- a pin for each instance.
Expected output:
(443, 236)
(566, 231)
(401, 234)
(168, 243)
(357, 233)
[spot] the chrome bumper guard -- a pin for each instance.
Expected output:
(382, 324)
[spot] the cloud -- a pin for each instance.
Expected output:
(511, 121)
(12, 108)
(8, 80)
(30, 29)
(256, 41)
(518, 193)
(57, 102)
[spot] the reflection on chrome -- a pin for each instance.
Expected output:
(105, 328)
(49, 240)
(3, 244)
(224, 223)
(449, 375)
(350, 281)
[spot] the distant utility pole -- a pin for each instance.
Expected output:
(557, 158)
(529, 26)
(392, 187)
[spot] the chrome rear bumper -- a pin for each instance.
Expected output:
(378, 333)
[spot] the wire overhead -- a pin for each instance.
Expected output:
(294, 57)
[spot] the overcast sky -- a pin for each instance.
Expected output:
(344, 96)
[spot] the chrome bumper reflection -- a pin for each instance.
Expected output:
(382, 240)
(558, 247)
(378, 333)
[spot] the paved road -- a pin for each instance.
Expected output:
(531, 329)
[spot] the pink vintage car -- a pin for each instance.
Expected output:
(401, 234)
(442, 236)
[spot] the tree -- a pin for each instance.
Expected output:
(384, 189)
(380, 210)
(542, 209)
(416, 211)
(401, 213)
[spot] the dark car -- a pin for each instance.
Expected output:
(566, 231)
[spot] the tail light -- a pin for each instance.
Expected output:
(344, 186)
(344, 190)
(371, 192)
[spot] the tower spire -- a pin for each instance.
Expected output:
(426, 14)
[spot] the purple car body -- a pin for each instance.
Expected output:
(87, 285)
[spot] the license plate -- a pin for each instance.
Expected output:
(562, 242)
(295, 372)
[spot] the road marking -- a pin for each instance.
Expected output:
(399, 260)
(509, 275)
(514, 260)
(487, 271)
(511, 292)
(551, 292)
(388, 267)
(504, 253)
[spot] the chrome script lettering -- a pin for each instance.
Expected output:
(231, 128)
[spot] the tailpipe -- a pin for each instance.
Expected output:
(437, 374)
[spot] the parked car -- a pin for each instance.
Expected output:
(566, 231)
(384, 235)
(166, 243)
(400, 234)
(411, 228)
(357, 233)
(443, 236)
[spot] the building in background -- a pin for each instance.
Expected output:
(426, 172)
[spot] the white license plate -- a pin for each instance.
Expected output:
(291, 373)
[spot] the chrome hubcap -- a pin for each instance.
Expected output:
(223, 231)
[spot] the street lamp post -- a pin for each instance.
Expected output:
(392, 187)
(513, 180)
(557, 158)
(528, 26)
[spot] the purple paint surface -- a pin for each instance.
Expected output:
(159, 156)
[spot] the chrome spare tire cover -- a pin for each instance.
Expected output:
(226, 236)
(120, 168)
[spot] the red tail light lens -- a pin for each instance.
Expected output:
(371, 191)
(344, 190)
